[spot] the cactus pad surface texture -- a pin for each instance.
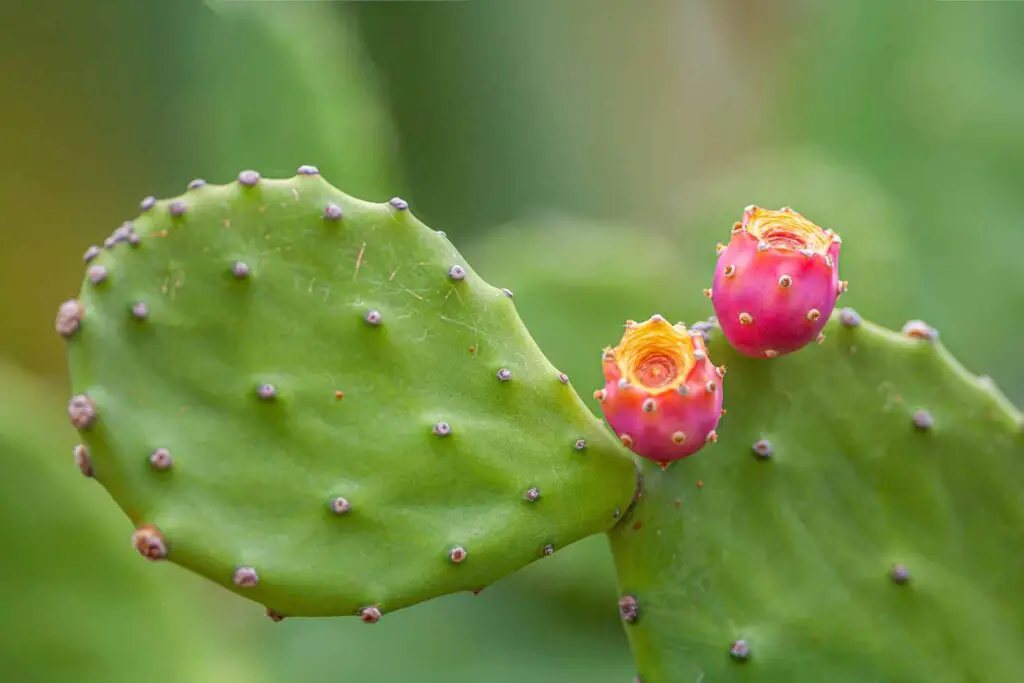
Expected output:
(314, 401)
(859, 521)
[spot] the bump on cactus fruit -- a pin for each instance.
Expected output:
(776, 282)
(662, 394)
(862, 539)
(316, 414)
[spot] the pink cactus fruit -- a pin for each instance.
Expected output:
(662, 394)
(776, 283)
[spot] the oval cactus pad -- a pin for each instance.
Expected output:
(315, 402)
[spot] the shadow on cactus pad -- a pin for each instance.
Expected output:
(314, 401)
(860, 519)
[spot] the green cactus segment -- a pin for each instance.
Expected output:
(860, 519)
(314, 401)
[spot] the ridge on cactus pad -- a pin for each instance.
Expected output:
(776, 282)
(314, 401)
(662, 394)
(860, 519)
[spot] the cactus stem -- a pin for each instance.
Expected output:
(149, 542)
(147, 203)
(160, 459)
(240, 270)
(504, 375)
(339, 506)
(140, 311)
(923, 420)
(69, 317)
(332, 212)
(81, 411)
(82, 459)
(91, 253)
(457, 555)
(369, 615)
(629, 609)
(442, 429)
(245, 577)
(267, 392)
(248, 178)
(97, 274)
(746, 319)
(532, 494)
(730, 270)
(785, 281)
(373, 318)
(649, 405)
(456, 273)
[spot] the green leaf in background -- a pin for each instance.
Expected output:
(79, 605)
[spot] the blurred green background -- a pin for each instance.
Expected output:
(587, 154)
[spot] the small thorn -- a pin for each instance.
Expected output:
(918, 329)
(600, 394)
(707, 292)
(149, 542)
(398, 203)
(240, 270)
(700, 483)
(763, 449)
(196, 184)
(719, 248)
(339, 506)
(899, 574)
(785, 281)
(581, 444)
(97, 274)
(737, 226)
(508, 293)
(373, 318)
(771, 353)
(457, 555)
(721, 370)
(81, 411)
(746, 319)
(763, 246)
(829, 261)
(246, 577)
(548, 550)
(504, 375)
(712, 437)
(140, 311)
(630, 325)
(711, 387)
(649, 405)
(176, 208)
(813, 314)
(608, 354)
(626, 440)
(699, 355)
(248, 178)
(623, 384)
(339, 394)
(532, 494)
(679, 438)
(442, 429)
(274, 616)
(629, 609)
(369, 615)
(683, 390)
(266, 392)
(147, 203)
(91, 253)
(849, 317)
(729, 271)
(807, 252)
(844, 285)
(724, 411)
(332, 212)
(820, 338)
(740, 651)
(456, 273)
(160, 459)
(82, 459)
(658, 318)
(69, 317)
(923, 420)
(441, 233)
(563, 378)
(306, 169)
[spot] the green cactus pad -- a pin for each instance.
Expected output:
(860, 519)
(314, 401)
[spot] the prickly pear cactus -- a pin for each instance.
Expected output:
(315, 402)
(860, 519)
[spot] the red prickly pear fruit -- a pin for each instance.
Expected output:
(776, 283)
(662, 394)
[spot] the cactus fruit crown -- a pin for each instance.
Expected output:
(662, 394)
(314, 401)
(785, 229)
(863, 503)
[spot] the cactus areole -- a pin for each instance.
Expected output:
(662, 394)
(776, 282)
